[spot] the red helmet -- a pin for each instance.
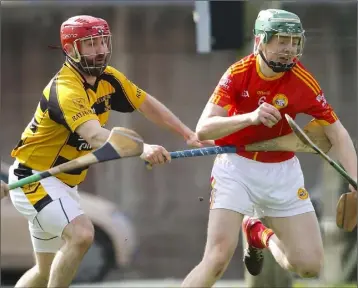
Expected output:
(81, 28)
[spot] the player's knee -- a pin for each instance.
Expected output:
(80, 233)
(310, 270)
(309, 266)
(83, 237)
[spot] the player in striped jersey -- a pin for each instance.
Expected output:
(248, 106)
(68, 123)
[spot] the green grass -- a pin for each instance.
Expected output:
(306, 285)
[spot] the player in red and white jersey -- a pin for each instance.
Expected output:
(248, 106)
(244, 87)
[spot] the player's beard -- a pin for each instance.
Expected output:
(94, 66)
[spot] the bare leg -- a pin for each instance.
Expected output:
(297, 245)
(222, 239)
(78, 236)
(278, 252)
(38, 275)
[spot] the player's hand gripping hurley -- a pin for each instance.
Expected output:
(287, 142)
(121, 143)
(346, 210)
(308, 142)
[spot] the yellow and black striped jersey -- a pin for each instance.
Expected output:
(67, 102)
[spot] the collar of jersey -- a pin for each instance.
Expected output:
(262, 76)
(74, 70)
(80, 76)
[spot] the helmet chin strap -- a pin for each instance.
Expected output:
(96, 72)
(276, 67)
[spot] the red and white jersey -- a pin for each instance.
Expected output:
(243, 88)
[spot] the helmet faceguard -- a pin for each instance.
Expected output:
(87, 43)
(283, 36)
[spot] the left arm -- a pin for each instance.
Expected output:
(150, 107)
(159, 114)
(342, 144)
(342, 147)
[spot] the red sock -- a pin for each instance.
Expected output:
(260, 235)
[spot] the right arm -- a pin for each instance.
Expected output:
(93, 133)
(78, 117)
(214, 122)
(77, 114)
(96, 136)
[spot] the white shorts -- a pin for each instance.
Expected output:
(48, 205)
(259, 189)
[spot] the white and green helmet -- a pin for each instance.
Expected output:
(281, 23)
